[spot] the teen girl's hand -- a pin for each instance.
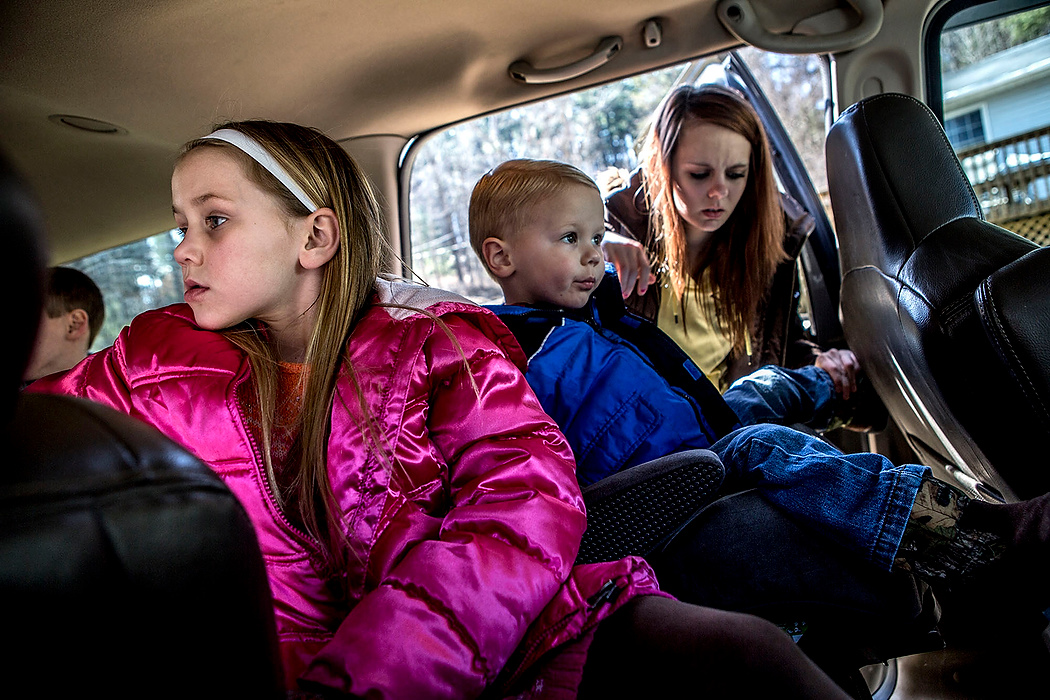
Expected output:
(631, 262)
(843, 367)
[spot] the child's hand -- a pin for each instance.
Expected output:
(631, 262)
(842, 366)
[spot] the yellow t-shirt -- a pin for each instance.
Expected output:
(695, 329)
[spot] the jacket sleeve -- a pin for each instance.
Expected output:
(774, 394)
(625, 209)
(445, 619)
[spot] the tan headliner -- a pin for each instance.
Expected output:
(166, 70)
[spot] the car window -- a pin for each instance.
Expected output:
(796, 88)
(598, 130)
(995, 88)
(133, 278)
(790, 93)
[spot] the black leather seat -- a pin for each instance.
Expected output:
(948, 314)
(127, 568)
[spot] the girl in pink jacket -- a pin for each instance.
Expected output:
(418, 512)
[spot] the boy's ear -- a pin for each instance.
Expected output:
(78, 324)
(322, 239)
(497, 257)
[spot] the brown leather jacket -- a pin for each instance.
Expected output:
(779, 337)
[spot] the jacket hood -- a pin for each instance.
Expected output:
(404, 299)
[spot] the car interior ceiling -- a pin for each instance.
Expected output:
(185, 65)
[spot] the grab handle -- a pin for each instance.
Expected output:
(522, 71)
(740, 19)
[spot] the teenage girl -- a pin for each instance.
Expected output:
(699, 239)
(417, 511)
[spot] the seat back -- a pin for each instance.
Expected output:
(943, 309)
(127, 568)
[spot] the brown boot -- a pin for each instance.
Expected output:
(935, 546)
(953, 540)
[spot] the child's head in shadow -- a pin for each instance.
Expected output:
(538, 227)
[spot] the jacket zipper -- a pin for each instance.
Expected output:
(608, 593)
(785, 329)
(260, 467)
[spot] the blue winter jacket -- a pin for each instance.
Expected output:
(624, 393)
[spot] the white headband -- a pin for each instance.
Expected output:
(261, 156)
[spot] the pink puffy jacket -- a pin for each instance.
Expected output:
(465, 560)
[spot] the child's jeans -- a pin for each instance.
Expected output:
(861, 500)
(773, 394)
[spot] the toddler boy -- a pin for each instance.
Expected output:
(621, 390)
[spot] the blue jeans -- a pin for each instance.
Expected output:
(860, 500)
(774, 394)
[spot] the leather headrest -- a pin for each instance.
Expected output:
(22, 284)
(892, 171)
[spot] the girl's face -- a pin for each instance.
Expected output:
(709, 172)
(240, 251)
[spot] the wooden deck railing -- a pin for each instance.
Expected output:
(1012, 176)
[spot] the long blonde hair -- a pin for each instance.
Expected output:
(746, 250)
(331, 178)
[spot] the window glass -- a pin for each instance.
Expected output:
(133, 278)
(596, 130)
(995, 77)
(796, 87)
